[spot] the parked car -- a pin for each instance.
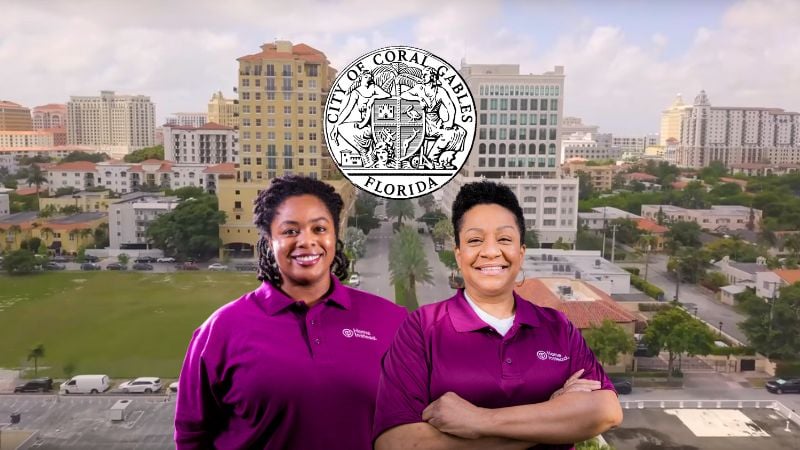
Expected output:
(173, 387)
(145, 259)
(142, 385)
(623, 386)
(218, 267)
(90, 258)
(62, 258)
(355, 280)
(35, 385)
(783, 385)
(85, 384)
(166, 259)
(142, 266)
(438, 246)
(54, 266)
(188, 265)
(116, 266)
(246, 267)
(90, 266)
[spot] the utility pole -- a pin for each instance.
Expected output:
(613, 241)
(646, 260)
(603, 250)
(774, 285)
(678, 264)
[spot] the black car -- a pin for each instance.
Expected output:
(116, 266)
(623, 386)
(61, 258)
(54, 266)
(91, 258)
(783, 385)
(145, 259)
(142, 266)
(35, 385)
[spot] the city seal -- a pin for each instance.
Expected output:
(399, 122)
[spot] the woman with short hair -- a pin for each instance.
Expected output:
(295, 363)
(486, 368)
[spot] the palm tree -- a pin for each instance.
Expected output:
(646, 242)
(36, 177)
(84, 233)
(408, 266)
(400, 209)
(34, 354)
(46, 233)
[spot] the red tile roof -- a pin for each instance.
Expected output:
(790, 276)
(8, 104)
(650, 226)
(679, 185)
(30, 190)
(299, 51)
(77, 166)
(214, 126)
(51, 107)
(221, 168)
(582, 314)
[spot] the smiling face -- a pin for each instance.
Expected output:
(490, 253)
(303, 240)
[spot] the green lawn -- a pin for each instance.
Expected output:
(120, 324)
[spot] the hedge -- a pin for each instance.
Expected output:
(633, 270)
(648, 288)
(787, 369)
(648, 307)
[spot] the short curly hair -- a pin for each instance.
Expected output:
(266, 207)
(486, 193)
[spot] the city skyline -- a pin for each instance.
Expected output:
(624, 61)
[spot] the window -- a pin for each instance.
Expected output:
(543, 104)
(553, 104)
(493, 104)
(482, 119)
(484, 103)
(551, 199)
(503, 104)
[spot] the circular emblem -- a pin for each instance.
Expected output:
(399, 122)
(347, 332)
(541, 355)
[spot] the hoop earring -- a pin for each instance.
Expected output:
(523, 278)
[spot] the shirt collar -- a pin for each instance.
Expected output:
(275, 300)
(464, 318)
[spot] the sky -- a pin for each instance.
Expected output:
(624, 60)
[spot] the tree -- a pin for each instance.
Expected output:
(364, 216)
(427, 202)
(70, 210)
(689, 264)
(443, 230)
(83, 156)
(430, 219)
(673, 330)
(448, 258)
(561, 245)
(31, 244)
(683, 234)
(146, 153)
(355, 244)
(608, 341)
(187, 192)
(36, 178)
(694, 195)
(48, 211)
(189, 230)
(101, 236)
(400, 209)
(408, 266)
(531, 239)
(34, 354)
(771, 326)
(20, 262)
(123, 259)
(792, 244)
(585, 187)
(627, 230)
(67, 190)
(713, 172)
(646, 242)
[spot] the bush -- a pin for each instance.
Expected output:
(787, 369)
(649, 307)
(723, 351)
(633, 270)
(648, 288)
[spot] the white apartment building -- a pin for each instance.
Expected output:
(49, 116)
(9, 161)
(736, 135)
(129, 218)
(26, 139)
(720, 218)
(519, 118)
(595, 146)
(210, 143)
(550, 205)
(634, 145)
(56, 152)
(572, 125)
(5, 205)
(602, 215)
(187, 119)
(113, 123)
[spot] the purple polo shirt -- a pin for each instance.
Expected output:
(445, 347)
(265, 371)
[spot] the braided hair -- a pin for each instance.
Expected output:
(266, 206)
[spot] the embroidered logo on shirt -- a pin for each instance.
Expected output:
(361, 334)
(544, 356)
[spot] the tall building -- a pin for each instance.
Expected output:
(737, 135)
(223, 111)
(588, 146)
(518, 121)
(187, 119)
(52, 115)
(118, 124)
(571, 125)
(210, 143)
(282, 91)
(634, 145)
(14, 117)
(671, 121)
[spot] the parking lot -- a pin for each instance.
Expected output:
(82, 422)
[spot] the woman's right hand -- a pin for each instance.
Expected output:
(576, 384)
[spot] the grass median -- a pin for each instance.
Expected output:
(115, 323)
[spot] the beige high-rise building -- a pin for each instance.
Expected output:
(52, 115)
(223, 111)
(118, 124)
(282, 91)
(671, 121)
(14, 117)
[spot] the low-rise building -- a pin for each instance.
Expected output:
(85, 201)
(602, 176)
(720, 218)
(54, 151)
(585, 265)
(130, 217)
(741, 272)
(79, 175)
(5, 205)
(769, 283)
(658, 232)
(590, 146)
(63, 234)
(763, 169)
(600, 216)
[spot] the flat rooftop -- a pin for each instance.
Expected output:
(689, 429)
(18, 218)
(78, 218)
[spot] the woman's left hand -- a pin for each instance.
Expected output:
(453, 415)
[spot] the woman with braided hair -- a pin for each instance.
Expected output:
(295, 363)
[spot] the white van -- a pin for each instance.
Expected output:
(85, 384)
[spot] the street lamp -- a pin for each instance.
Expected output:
(720, 328)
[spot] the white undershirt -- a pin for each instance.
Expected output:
(500, 325)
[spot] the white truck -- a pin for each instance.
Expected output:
(85, 384)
